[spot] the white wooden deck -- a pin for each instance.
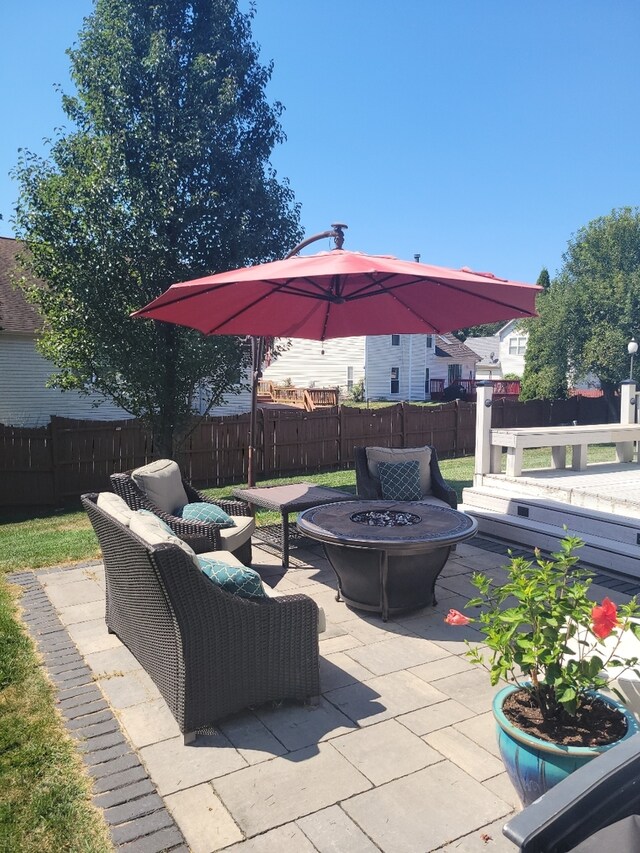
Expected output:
(601, 504)
(607, 486)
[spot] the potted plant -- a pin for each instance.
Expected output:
(552, 646)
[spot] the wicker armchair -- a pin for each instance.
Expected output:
(200, 535)
(210, 653)
(368, 487)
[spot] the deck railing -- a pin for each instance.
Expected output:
(308, 399)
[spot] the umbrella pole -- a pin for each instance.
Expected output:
(257, 354)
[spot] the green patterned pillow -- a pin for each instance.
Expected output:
(400, 481)
(238, 580)
(160, 521)
(211, 513)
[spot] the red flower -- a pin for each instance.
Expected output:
(605, 618)
(454, 617)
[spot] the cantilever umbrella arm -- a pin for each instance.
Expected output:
(257, 351)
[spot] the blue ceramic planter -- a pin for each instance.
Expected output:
(536, 765)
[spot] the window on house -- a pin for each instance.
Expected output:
(395, 340)
(427, 381)
(517, 346)
(395, 380)
(349, 379)
(429, 341)
(454, 373)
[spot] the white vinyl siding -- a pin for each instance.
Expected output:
(24, 398)
(319, 364)
(414, 357)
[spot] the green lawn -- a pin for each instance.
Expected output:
(44, 792)
(35, 540)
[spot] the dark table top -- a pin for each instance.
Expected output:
(434, 526)
(292, 497)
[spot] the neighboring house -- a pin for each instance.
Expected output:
(337, 363)
(501, 354)
(402, 367)
(24, 398)
(394, 367)
(504, 353)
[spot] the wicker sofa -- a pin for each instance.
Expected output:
(200, 535)
(368, 485)
(210, 653)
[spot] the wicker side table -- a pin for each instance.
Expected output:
(294, 497)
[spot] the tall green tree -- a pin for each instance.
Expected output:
(590, 311)
(543, 279)
(164, 177)
(545, 367)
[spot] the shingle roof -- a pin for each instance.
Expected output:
(16, 314)
(448, 346)
(488, 348)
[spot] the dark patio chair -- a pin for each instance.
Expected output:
(200, 535)
(368, 484)
(588, 811)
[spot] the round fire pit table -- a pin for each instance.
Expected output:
(387, 555)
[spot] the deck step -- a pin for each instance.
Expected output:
(580, 520)
(612, 542)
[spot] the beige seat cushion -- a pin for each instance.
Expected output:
(222, 557)
(376, 455)
(234, 537)
(152, 533)
(114, 506)
(162, 484)
(434, 501)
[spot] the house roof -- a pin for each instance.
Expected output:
(16, 314)
(488, 348)
(448, 346)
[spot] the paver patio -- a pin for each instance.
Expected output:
(399, 755)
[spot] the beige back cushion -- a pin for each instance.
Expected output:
(402, 454)
(162, 484)
(152, 533)
(114, 506)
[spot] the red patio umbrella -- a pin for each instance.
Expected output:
(338, 294)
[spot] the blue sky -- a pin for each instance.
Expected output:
(478, 133)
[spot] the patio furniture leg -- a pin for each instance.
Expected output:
(285, 539)
(189, 737)
(495, 457)
(559, 457)
(384, 573)
(514, 461)
(579, 457)
(625, 451)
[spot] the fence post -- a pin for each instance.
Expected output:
(484, 392)
(55, 462)
(628, 400)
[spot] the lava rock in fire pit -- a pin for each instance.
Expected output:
(385, 518)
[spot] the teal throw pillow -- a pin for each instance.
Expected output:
(238, 580)
(211, 513)
(400, 481)
(161, 522)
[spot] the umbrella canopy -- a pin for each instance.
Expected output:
(339, 294)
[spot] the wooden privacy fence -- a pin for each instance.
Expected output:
(52, 464)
